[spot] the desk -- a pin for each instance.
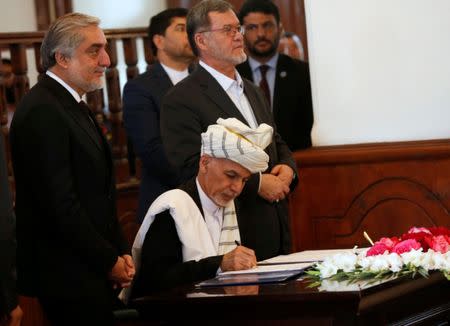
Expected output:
(401, 301)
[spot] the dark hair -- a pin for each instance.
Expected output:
(198, 18)
(160, 22)
(265, 6)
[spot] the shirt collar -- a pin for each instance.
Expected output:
(76, 96)
(175, 75)
(272, 63)
(209, 207)
(224, 81)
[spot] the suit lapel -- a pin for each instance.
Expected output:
(75, 111)
(157, 70)
(217, 94)
(255, 103)
(281, 82)
(70, 106)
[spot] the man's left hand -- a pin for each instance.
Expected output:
(284, 172)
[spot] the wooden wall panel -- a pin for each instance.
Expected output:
(380, 188)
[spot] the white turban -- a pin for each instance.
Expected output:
(233, 140)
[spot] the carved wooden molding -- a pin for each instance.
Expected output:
(383, 189)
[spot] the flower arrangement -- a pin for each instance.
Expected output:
(418, 251)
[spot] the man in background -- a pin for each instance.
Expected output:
(285, 81)
(216, 90)
(291, 45)
(71, 253)
(142, 100)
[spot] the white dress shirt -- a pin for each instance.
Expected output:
(76, 96)
(175, 76)
(213, 216)
(235, 90)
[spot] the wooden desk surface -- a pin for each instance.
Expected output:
(401, 300)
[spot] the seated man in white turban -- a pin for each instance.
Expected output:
(191, 233)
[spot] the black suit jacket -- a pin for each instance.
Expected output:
(292, 103)
(141, 105)
(68, 234)
(8, 295)
(162, 263)
(188, 109)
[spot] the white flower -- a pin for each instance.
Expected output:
(379, 263)
(395, 262)
(327, 269)
(345, 261)
(412, 257)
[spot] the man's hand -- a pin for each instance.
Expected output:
(272, 188)
(284, 172)
(130, 265)
(14, 318)
(120, 274)
(239, 258)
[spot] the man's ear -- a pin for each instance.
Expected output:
(158, 40)
(61, 59)
(199, 39)
(203, 163)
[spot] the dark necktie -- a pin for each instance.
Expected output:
(263, 83)
(89, 116)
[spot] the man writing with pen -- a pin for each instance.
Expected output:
(191, 233)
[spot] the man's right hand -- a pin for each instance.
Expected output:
(120, 274)
(239, 258)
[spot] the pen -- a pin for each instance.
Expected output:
(237, 243)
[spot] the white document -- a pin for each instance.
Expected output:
(296, 261)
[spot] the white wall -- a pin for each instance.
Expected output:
(17, 16)
(122, 14)
(380, 69)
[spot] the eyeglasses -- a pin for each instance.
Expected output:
(267, 27)
(228, 30)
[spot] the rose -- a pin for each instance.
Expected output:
(382, 245)
(406, 246)
(440, 244)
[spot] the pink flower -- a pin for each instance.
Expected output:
(440, 244)
(377, 249)
(388, 242)
(406, 246)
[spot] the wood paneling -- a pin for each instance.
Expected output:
(383, 189)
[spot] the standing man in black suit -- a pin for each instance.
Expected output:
(71, 253)
(287, 83)
(10, 311)
(142, 100)
(216, 90)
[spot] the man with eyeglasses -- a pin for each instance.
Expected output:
(216, 90)
(285, 81)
